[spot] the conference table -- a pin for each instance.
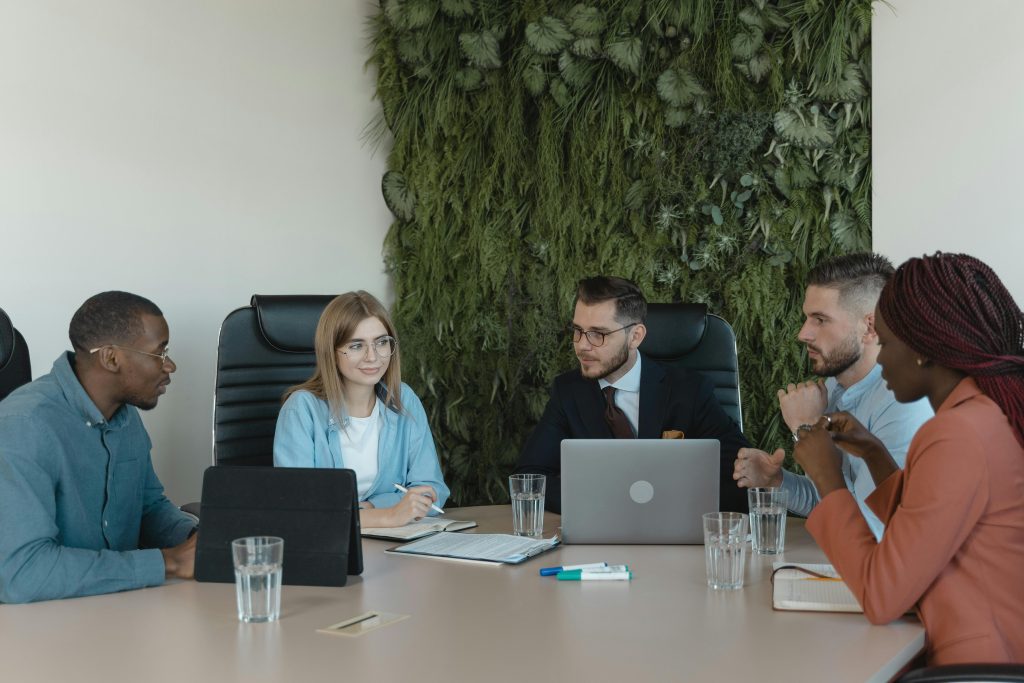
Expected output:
(466, 622)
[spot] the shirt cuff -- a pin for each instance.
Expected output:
(149, 567)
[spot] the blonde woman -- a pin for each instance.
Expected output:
(354, 412)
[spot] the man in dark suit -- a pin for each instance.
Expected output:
(619, 393)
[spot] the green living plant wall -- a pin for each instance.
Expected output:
(710, 150)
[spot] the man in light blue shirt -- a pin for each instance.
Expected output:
(81, 509)
(839, 334)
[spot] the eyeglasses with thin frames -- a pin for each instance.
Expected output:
(164, 356)
(593, 336)
(383, 347)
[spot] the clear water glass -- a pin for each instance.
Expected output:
(527, 493)
(258, 570)
(767, 520)
(725, 543)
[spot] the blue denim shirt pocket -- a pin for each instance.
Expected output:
(122, 515)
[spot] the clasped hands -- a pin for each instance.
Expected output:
(815, 436)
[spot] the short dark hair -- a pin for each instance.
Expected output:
(109, 318)
(630, 304)
(859, 278)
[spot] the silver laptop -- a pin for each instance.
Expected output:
(651, 491)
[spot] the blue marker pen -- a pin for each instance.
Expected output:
(552, 571)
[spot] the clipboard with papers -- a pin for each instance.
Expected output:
(494, 549)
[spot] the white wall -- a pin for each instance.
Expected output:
(194, 152)
(948, 131)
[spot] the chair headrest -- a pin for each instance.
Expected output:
(288, 321)
(673, 330)
(6, 339)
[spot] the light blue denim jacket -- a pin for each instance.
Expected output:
(81, 509)
(307, 436)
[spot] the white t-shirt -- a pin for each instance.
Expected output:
(359, 439)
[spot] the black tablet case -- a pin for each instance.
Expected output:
(315, 511)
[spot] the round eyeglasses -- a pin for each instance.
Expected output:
(593, 336)
(383, 347)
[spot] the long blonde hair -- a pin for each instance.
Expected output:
(337, 324)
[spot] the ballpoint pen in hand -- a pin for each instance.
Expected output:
(405, 490)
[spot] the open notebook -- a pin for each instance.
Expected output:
(418, 529)
(810, 588)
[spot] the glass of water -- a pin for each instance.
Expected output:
(767, 520)
(527, 492)
(725, 543)
(258, 569)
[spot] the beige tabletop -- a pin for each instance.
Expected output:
(467, 623)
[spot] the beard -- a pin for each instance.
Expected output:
(608, 367)
(839, 360)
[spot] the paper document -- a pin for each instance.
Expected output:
(795, 587)
(501, 548)
(418, 529)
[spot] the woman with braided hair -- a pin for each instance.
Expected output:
(953, 546)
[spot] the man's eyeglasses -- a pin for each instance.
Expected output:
(383, 347)
(593, 336)
(164, 355)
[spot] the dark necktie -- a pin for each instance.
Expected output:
(614, 416)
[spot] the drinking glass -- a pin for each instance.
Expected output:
(725, 542)
(767, 520)
(258, 570)
(527, 492)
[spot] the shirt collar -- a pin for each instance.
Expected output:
(75, 393)
(856, 391)
(628, 382)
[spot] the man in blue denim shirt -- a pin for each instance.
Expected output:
(81, 509)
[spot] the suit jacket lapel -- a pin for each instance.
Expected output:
(653, 400)
(590, 402)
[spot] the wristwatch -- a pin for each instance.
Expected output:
(806, 427)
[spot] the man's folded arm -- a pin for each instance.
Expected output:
(33, 563)
(163, 524)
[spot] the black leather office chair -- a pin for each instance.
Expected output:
(264, 348)
(966, 673)
(687, 336)
(15, 365)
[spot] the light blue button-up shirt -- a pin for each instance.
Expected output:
(875, 407)
(78, 495)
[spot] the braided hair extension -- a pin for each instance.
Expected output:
(954, 310)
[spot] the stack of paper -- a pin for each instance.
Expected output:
(489, 548)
